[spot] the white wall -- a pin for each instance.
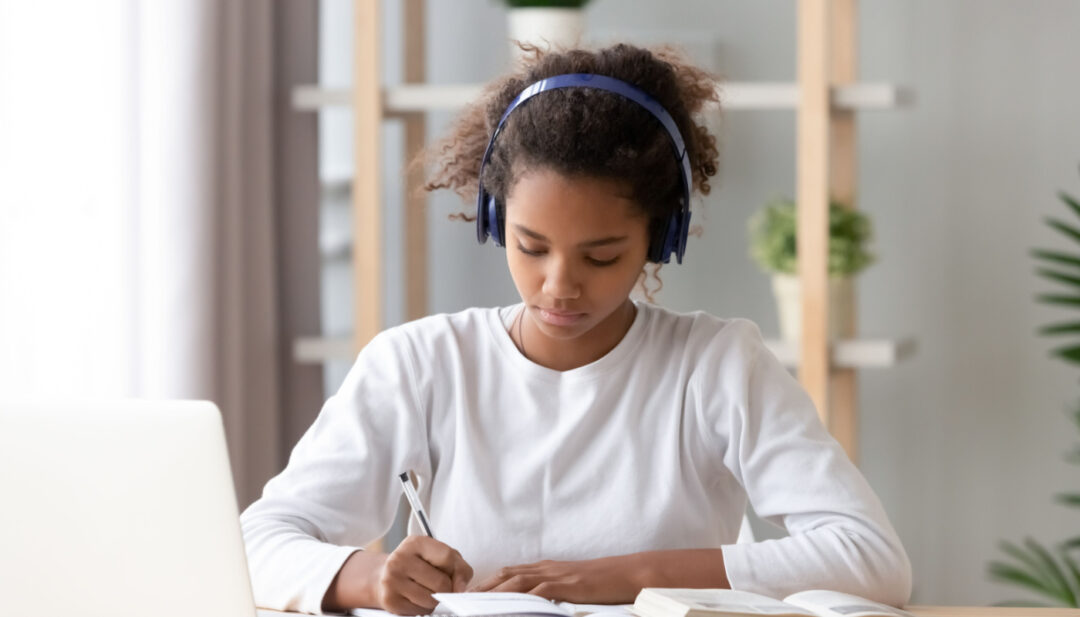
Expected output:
(959, 186)
(963, 442)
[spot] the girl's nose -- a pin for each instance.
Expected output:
(560, 280)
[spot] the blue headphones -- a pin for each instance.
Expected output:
(670, 238)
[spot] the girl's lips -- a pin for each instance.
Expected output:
(560, 318)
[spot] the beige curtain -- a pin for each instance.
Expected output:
(158, 211)
(216, 285)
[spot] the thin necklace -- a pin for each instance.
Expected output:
(521, 331)
(520, 319)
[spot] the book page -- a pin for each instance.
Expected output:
(836, 604)
(599, 610)
(486, 603)
(439, 611)
(716, 600)
(573, 610)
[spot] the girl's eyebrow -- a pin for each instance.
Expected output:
(587, 244)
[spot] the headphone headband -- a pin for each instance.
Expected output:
(490, 213)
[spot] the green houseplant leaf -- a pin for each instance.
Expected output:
(1057, 257)
(1034, 569)
(1068, 230)
(773, 239)
(1072, 327)
(1069, 354)
(1059, 277)
(1059, 299)
(1019, 576)
(1053, 573)
(1070, 201)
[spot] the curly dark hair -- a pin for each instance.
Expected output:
(584, 131)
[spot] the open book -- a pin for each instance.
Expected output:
(485, 604)
(658, 602)
(490, 604)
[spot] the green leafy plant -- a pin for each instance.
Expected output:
(560, 4)
(1052, 572)
(1064, 268)
(773, 241)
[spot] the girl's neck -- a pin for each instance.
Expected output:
(564, 355)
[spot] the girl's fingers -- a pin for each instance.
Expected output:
(461, 579)
(492, 581)
(518, 582)
(415, 594)
(428, 576)
(548, 589)
(444, 558)
(434, 552)
(498, 581)
(404, 607)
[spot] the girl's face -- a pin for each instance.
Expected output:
(575, 247)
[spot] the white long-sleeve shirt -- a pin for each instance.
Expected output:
(657, 445)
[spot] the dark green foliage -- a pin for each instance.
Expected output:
(773, 233)
(1053, 573)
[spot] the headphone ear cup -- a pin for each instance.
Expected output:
(496, 225)
(481, 215)
(500, 221)
(659, 251)
(682, 235)
(489, 218)
(670, 238)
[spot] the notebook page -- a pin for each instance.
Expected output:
(836, 604)
(728, 601)
(600, 610)
(486, 603)
(375, 612)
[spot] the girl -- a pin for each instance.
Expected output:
(579, 445)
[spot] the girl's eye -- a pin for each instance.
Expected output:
(528, 252)
(602, 262)
(593, 261)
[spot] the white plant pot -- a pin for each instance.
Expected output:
(786, 288)
(545, 28)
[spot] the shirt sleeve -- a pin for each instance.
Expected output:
(340, 489)
(797, 476)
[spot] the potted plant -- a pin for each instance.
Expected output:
(1053, 571)
(773, 247)
(545, 23)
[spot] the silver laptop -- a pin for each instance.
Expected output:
(120, 510)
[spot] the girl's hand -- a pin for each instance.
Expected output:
(597, 581)
(419, 567)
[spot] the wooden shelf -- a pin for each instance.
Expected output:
(858, 353)
(319, 350)
(825, 97)
(416, 98)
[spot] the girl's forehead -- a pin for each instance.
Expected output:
(561, 207)
(545, 186)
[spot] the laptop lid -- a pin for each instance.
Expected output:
(119, 509)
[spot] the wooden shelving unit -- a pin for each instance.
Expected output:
(825, 98)
(421, 98)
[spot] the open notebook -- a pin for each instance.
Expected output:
(490, 604)
(657, 602)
